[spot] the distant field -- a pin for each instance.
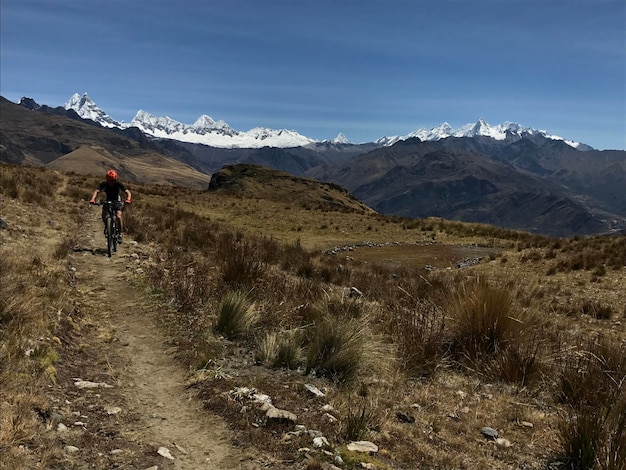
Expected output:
(421, 255)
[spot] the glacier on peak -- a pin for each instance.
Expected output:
(341, 139)
(479, 128)
(87, 109)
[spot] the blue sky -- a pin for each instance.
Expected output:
(362, 67)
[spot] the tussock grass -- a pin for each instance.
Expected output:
(593, 387)
(236, 316)
(484, 318)
(420, 335)
(492, 334)
(360, 418)
(343, 349)
(281, 349)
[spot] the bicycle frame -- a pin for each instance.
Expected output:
(110, 226)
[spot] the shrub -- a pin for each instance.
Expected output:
(240, 262)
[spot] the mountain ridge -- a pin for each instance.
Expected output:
(205, 130)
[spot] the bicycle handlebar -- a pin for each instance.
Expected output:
(103, 203)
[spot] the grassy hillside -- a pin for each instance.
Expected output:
(420, 333)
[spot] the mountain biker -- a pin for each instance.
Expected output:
(113, 189)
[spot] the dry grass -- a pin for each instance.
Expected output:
(417, 362)
(435, 322)
(34, 281)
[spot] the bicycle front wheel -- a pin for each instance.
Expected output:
(110, 229)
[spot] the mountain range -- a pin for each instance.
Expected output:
(506, 175)
(219, 134)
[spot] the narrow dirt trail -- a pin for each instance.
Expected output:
(150, 382)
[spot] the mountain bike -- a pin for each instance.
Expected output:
(110, 226)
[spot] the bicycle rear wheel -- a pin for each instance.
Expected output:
(110, 229)
(115, 235)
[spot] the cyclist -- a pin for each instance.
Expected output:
(113, 189)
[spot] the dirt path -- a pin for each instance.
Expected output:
(161, 412)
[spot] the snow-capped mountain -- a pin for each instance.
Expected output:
(87, 109)
(219, 134)
(341, 139)
(479, 128)
(205, 130)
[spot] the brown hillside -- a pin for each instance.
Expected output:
(151, 168)
(35, 138)
(264, 183)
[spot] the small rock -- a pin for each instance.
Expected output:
(181, 449)
(321, 442)
(56, 418)
(165, 452)
(71, 449)
(368, 466)
(275, 413)
(62, 427)
(330, 418)
(262, 398)
(313, 390)
(117, 451)
(489, 432)
(501, 442)
(328, 408)
(362, 446)
(112, 410)
(338, 460)
(526, 424)
(87, 384)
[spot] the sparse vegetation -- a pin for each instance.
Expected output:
(414, 359)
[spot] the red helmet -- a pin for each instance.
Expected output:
(111, 175)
